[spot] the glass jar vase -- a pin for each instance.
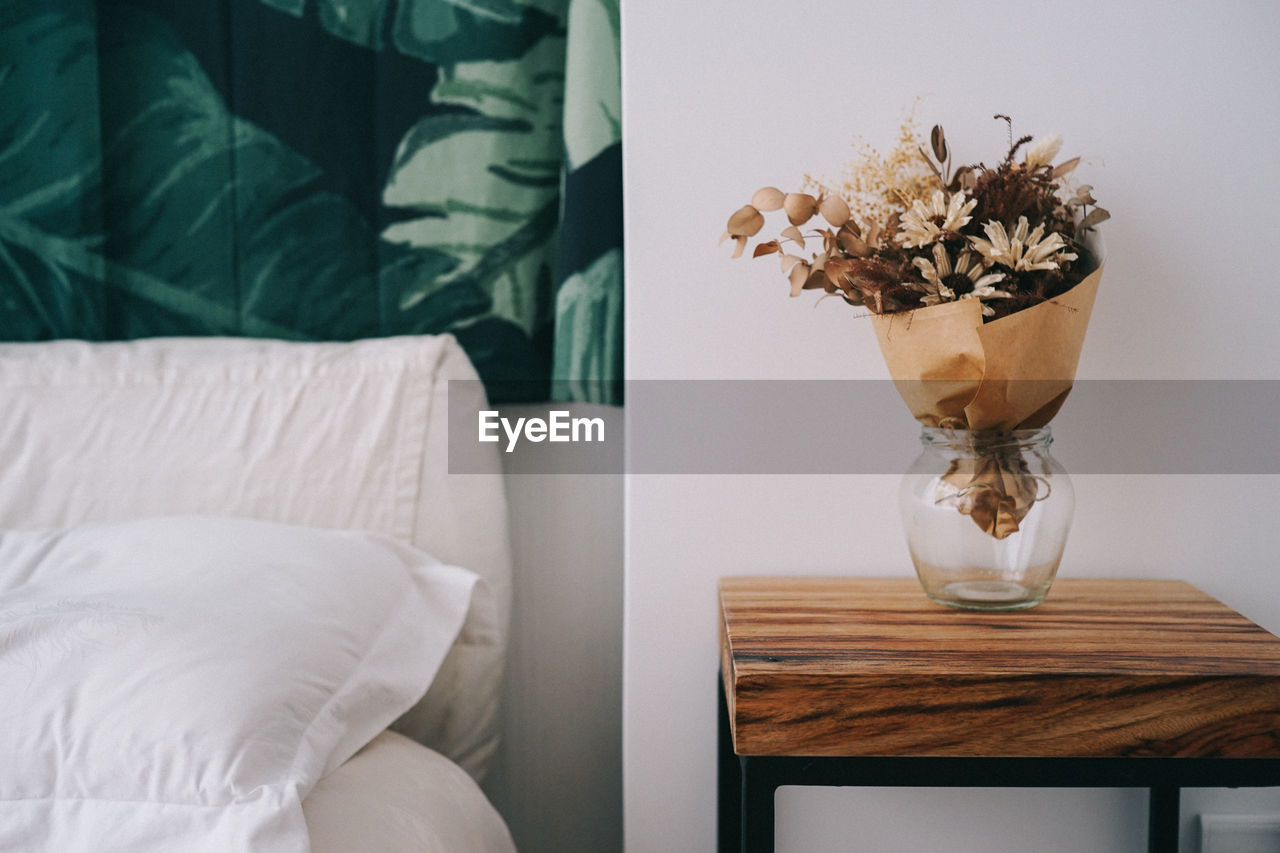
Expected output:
(986, 515)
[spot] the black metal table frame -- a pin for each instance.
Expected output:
(747, 783)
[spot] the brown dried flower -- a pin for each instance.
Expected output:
(903, 230)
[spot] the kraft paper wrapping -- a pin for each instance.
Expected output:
(956, 372)
(994, 488)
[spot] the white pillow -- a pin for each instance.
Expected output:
(337, 435)
(182, 683)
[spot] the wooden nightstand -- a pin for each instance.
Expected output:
(1109, 683)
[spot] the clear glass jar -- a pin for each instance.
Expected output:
(986, 515)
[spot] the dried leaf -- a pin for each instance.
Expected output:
(819, 261)
(835, 210)
(741, 244)
(962, 180)
(873, 234)
(1085, 195)
(853, 244)
(725, 236)
(767, 248)
(929, 162)
(799, 276)
(746, 222)
(1094, 217)
(817, 280)
(800, 207)
(793, 233)
(836, 271)
(789, 261)
(768, 198)
(939, 142)
(1063, 168)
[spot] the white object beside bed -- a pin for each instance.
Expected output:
(334, 435)
(328, 435)
(183, 682)
(374, 802)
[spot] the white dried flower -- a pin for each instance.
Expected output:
(1022, 251)
(925, 222)
(943, 279)
(1043, 150)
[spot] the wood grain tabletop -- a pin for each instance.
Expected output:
(866, 666)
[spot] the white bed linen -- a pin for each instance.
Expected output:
(182, 683)
(334, 435)
(397, 796)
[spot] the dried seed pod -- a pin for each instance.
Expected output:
(768, 198)
(800, 207)
(835, 210)
(746, 222)
(938, 140)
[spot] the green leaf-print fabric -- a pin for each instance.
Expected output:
(319, 169)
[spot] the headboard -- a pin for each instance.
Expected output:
(342, 435)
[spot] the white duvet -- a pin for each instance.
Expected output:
(181, 684)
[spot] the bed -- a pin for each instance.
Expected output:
(243, 605)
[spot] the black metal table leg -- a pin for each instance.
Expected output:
(729, 796)
(1162, 819)
(758, 787)
(744, 803)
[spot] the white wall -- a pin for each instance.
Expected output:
(1177, 111)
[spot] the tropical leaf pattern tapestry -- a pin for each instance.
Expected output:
(319, 170)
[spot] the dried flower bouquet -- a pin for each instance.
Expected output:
(908, 232)
(980, 281)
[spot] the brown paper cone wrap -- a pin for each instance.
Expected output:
(956, 372)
